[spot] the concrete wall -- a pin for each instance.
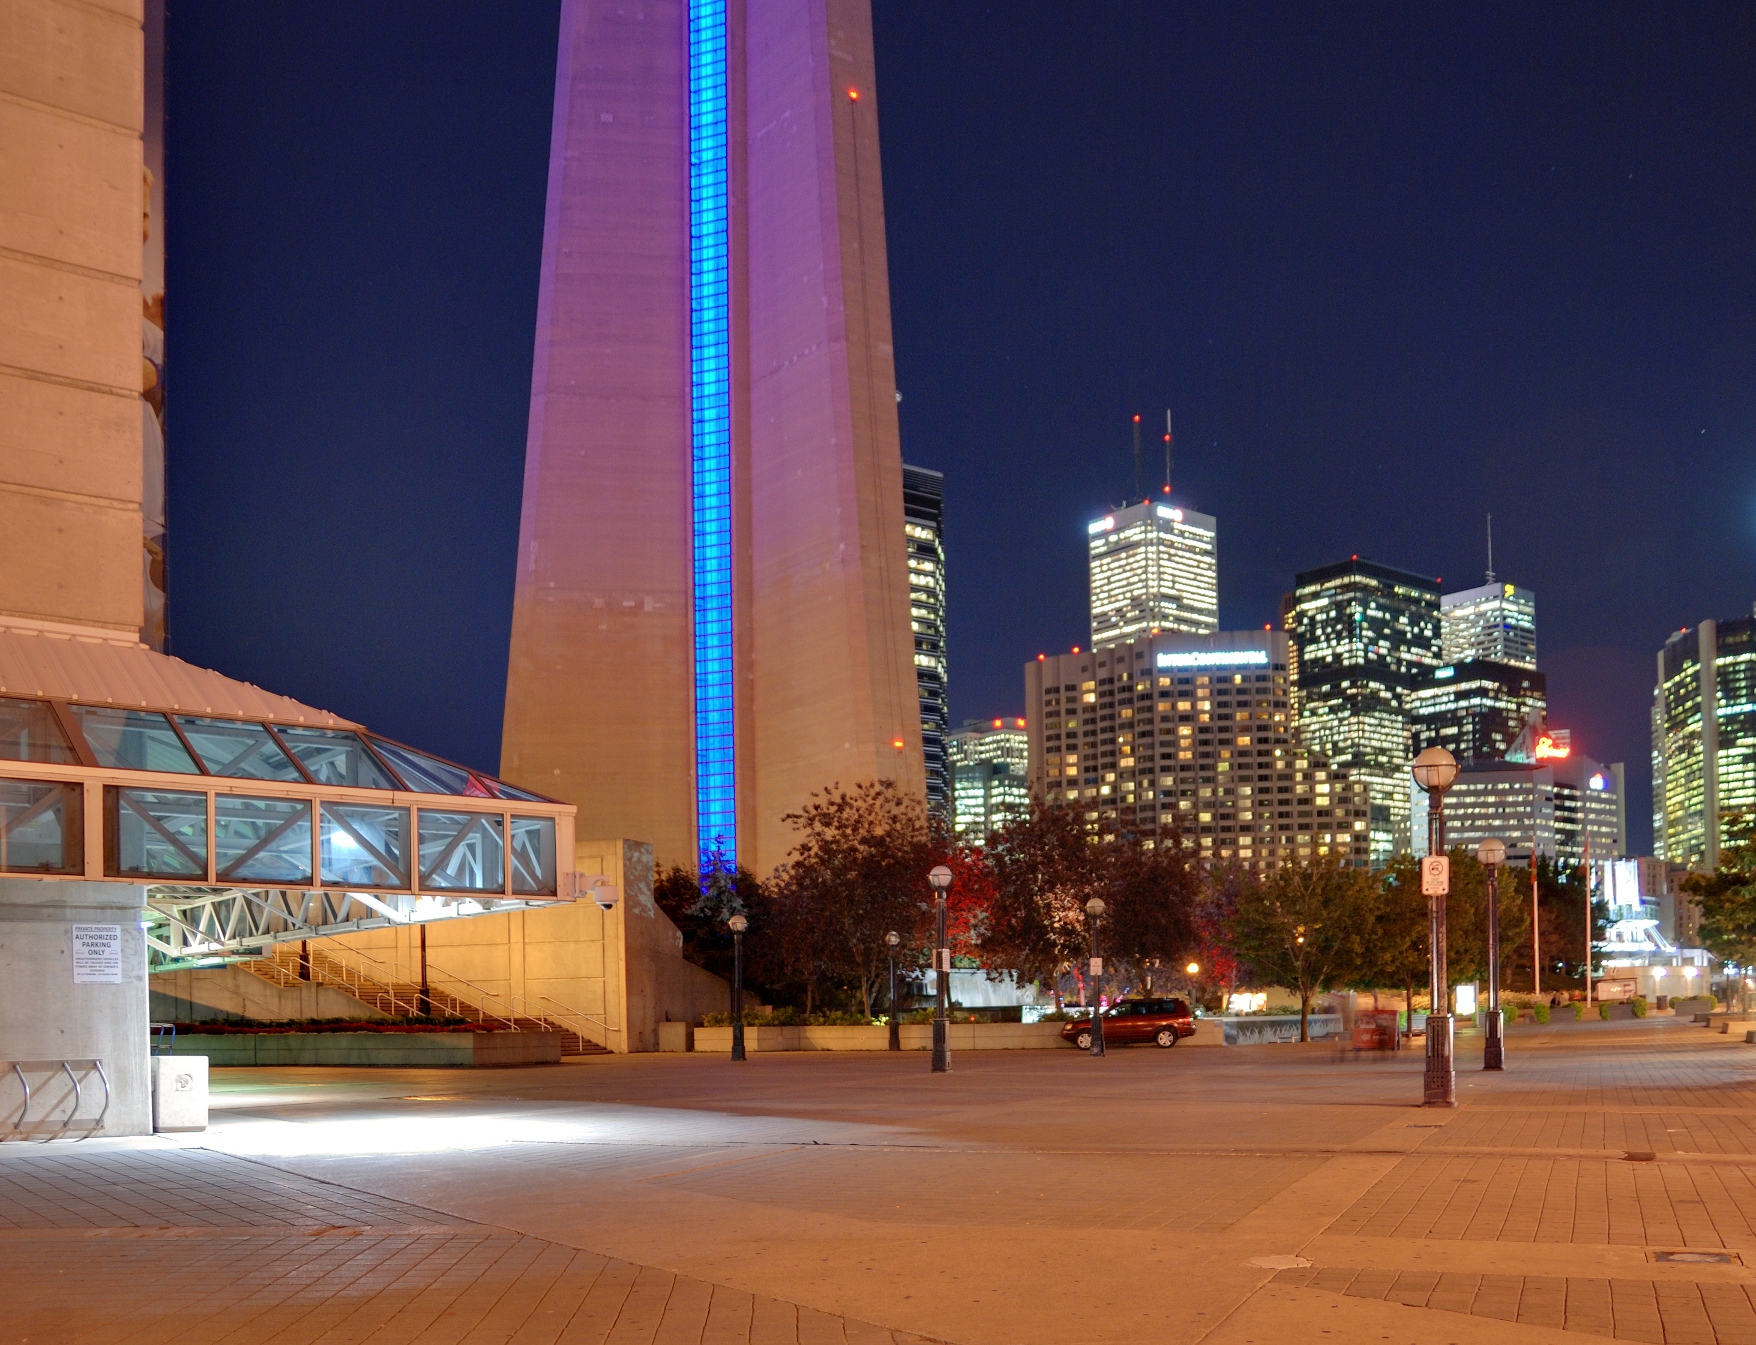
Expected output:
(46, 1017)
(612, 976)
(230, 994)
(71, 110)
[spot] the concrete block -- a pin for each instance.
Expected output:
(179, 1092)
(674, 1037)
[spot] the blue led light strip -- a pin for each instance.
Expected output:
(710, 359)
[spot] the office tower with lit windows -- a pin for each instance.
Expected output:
(1704, 741)
(1562, 805)
(1364, 636)
(1476, 710)
(711, 606)
(923, 512)
(990, 769)
(1496, 622)
(1154, 567)
(1190, 736)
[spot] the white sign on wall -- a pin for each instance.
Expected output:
(97, 954)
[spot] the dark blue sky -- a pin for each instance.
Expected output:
(1392, 266)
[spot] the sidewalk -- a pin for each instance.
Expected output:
(1257, 1195)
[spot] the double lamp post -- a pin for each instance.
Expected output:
(1435, 771)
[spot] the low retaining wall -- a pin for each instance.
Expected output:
(914, 1037)
(400, 1050)
(1275, 1029)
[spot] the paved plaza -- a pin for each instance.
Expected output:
(1601, 1188)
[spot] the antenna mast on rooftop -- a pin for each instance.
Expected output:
(1490, 548)
(1168, 445)
(1137, 457)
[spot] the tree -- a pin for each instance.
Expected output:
(1727, 898)
(1302, 927)
(1151, 892)
(1045, 868)
(1395, 938)
(857, 872)
(700, 909)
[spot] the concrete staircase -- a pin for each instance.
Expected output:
(396, 992)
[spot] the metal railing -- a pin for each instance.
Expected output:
(46, 1127)
(395, 989)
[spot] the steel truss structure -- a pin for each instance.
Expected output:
(204, 926)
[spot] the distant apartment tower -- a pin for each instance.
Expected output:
(923, 509)
(1704, 741)
(1496, 622)
(1364, 636)
(1478, 709)
(990, 770)
(1154, 567)
(1190, 736)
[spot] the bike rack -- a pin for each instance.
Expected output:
(25, 1128)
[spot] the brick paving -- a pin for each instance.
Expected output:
(1661, 1312)
(665, 1200)
(151, 1245)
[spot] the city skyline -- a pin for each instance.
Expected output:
(1379, 314)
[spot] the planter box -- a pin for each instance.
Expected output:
(398, 1050)
(915, 1037)
(1272, 1029)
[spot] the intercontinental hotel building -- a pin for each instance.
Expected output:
(1190, 735)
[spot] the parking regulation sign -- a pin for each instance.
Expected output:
(1435, 875)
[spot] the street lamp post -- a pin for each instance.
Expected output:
(940, 878)
(738, 924)
(1435, 771)
(892, 940)
(1094, 911)
(1491, 854)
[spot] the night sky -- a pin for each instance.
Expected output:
(1393, 268)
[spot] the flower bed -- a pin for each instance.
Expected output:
(226, 1029)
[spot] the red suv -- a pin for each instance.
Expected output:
(1162, 1021)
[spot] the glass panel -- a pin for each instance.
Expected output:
(133, 740)
(335, 758)
(268, 840)
(425, 774)
(501, 790)
(462, 851)
(363, 845)
(232, 747)
(28, 732)
(41, 827)
(154, 833)
(533, 856)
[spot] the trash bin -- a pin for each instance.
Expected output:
(179, 1092)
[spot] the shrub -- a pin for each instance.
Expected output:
(838, 1019)
(1639, 1006)
(1542, 1013)
(1603, 1010)
(1578, 1011)
(784, 1016)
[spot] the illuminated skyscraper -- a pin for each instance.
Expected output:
(1477, 709)
(990, 763)
(923, 507)
(1364, 636)
(1154, 567)
(1495, 622)
(711, 612)
(1704, 740)
(1190, 735)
